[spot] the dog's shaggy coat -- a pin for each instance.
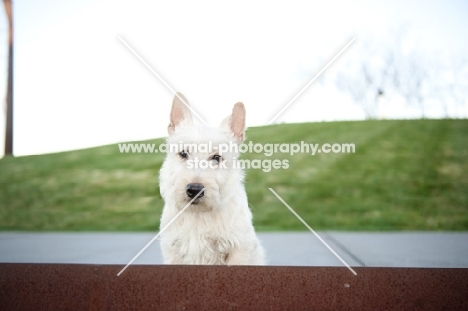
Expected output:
(216, 228)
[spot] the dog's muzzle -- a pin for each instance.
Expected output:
(194, 189)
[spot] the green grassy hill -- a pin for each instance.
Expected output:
(404, 175)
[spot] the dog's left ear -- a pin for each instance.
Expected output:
(236, 122)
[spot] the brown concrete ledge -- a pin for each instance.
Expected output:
(92, 287)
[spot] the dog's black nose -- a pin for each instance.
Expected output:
(194, 189)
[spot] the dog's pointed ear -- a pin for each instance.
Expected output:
(180, 112)
(236, 122)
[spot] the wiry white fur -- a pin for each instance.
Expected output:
(218, 230)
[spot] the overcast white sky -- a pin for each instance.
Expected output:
(76, 85)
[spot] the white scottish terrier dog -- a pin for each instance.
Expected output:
(216, 229)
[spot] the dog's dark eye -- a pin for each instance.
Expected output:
(217, 158)
(183, 154)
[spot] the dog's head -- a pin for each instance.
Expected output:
(200, 157)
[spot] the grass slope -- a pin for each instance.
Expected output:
(404, 175)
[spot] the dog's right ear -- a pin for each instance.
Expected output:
(180, 112)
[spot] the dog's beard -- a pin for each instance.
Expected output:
(207, 203)
(199, 206)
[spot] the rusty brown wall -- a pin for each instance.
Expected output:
(92, 287)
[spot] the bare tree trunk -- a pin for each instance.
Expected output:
(9, 114)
